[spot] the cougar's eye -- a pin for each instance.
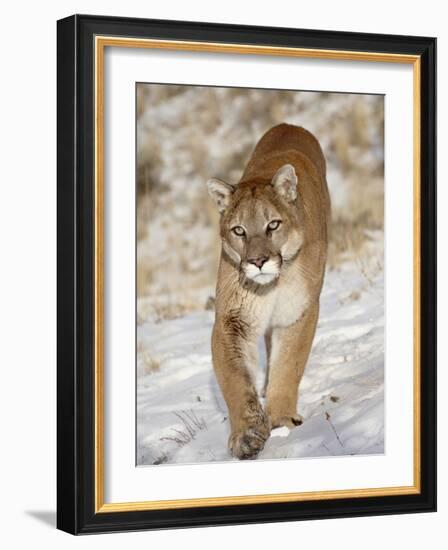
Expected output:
(238, 230)
(273, 225)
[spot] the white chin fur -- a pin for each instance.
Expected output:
(267, 274)
(263, 278)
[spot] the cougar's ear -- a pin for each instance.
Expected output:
(220, 192)
(285, 182)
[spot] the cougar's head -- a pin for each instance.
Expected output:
(260, 223)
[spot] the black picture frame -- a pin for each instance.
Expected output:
(76, 271)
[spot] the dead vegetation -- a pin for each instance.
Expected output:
(191, 425)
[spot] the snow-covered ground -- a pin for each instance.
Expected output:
(182, 417)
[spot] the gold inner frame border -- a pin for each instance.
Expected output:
(101, 42)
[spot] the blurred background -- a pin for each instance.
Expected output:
(186, 134)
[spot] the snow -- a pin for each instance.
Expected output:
(182, 417)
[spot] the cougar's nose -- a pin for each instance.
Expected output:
(259, 262)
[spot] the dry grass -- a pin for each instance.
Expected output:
(148, 363)
(191, 425)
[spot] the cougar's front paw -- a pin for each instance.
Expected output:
(290, 421)
(247, 443)
(251, 431)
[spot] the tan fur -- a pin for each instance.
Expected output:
(269, 281)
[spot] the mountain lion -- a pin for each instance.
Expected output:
(273, 228)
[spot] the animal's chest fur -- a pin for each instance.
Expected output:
(281, 307)
(290, 304)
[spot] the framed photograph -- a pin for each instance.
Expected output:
(246, 274)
